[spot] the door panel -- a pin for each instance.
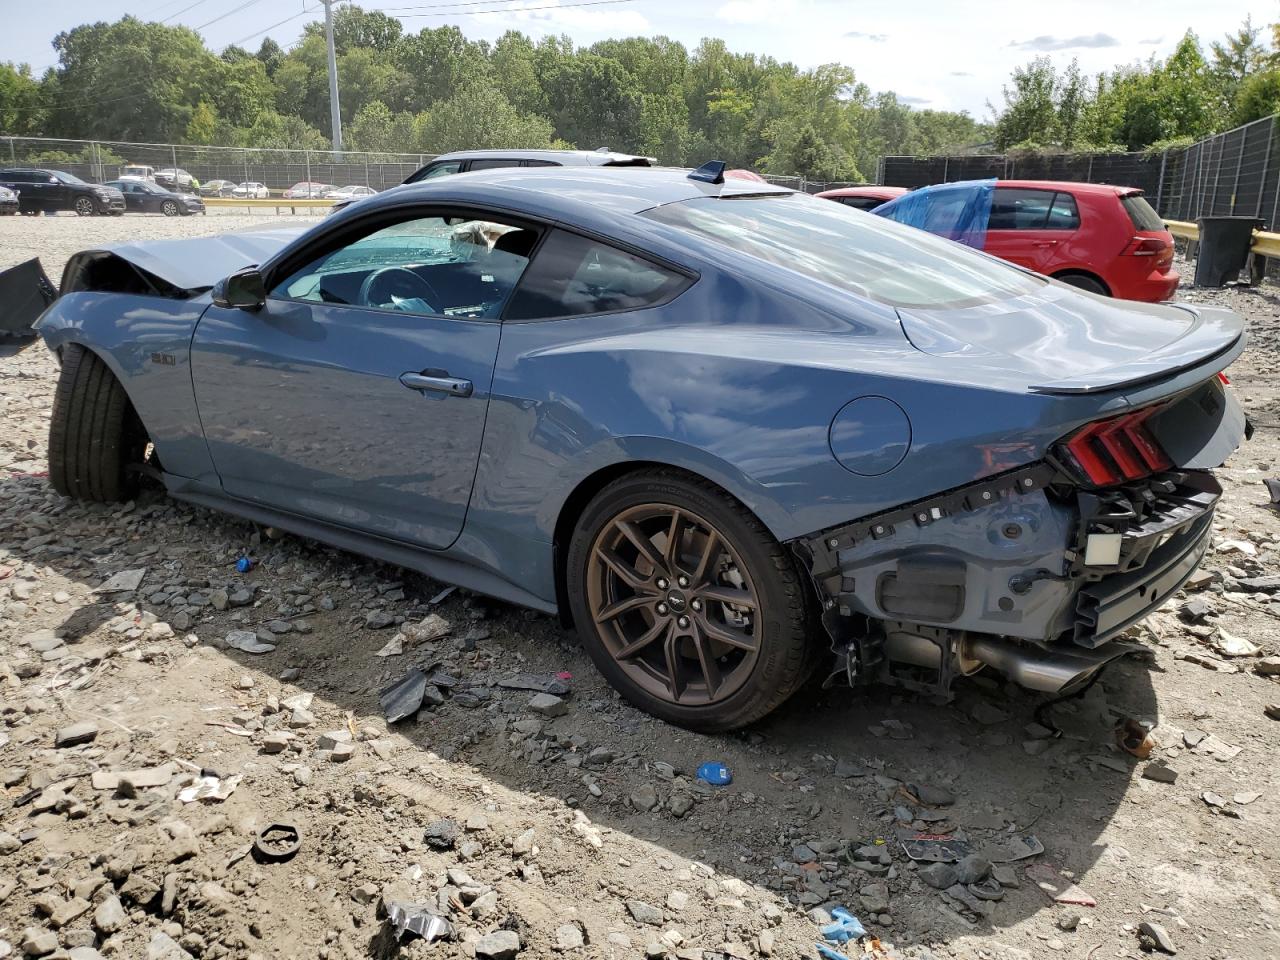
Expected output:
(1030, 227)
(304, 409)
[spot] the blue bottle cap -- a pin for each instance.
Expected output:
(244, 565)
(716, 774)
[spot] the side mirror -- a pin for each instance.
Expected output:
(243, 290)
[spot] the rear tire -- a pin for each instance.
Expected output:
(713, 686)
(1085, 282)
(94, 434)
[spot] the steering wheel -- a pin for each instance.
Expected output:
(384, 283)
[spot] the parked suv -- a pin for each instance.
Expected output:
(48, 191)
(464, 161)
(1098, 237)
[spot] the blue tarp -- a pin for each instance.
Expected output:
(957, 211)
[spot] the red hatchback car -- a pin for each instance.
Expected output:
(1098, 237)
(866, 197)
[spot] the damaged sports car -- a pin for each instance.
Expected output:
(729, 431)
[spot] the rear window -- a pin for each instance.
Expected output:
(868, 256)
(1141, 213)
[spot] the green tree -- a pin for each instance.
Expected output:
(1030, 112)
(22, 109)
(479, 117)
(203, 126)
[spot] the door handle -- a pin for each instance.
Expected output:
(437, 383)
(1045, 243)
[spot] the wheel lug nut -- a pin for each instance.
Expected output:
(683, 621)
(662, 608)
(662, 584)
(696, 604)
(683, 581)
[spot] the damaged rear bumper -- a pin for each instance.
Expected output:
(1024, 572)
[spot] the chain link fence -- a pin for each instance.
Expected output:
(101, 160)
(1236, 173)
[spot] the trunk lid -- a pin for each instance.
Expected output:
(1066, 341)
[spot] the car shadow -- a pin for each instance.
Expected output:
(832, 771)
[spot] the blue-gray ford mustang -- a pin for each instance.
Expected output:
(727, 429)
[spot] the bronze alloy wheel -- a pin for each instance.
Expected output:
(674, 604)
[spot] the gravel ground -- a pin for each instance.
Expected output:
(574, 828)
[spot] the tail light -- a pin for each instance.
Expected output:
(1158, 247)
(1119, 449)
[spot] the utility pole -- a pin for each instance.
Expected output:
(335, 114)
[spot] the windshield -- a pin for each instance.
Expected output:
(66, 177)
(855, 251)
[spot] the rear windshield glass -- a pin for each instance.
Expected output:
(1141, 212)
(864, 254)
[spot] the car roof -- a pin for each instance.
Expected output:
(1068, 186)
(568, 158)
(572, 189)
(866, 190)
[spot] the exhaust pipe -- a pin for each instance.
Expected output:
(1039, 668)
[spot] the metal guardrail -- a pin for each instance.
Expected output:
(1265, 243)
(275, 202)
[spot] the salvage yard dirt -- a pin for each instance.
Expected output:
(148, 733)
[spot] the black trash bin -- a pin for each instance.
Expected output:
(1223, 248)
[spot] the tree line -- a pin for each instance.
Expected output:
(435, 90)
(1143, 106)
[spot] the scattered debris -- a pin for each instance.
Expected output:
(248, 642)
(1056, 887)
(537, 684)
(126, 581)
(418, 919)
(1152, 936)
(277, 842)
(1133, 738)
(715, 773)
(210, 788)
(1229, 645)
(845, 927)
(404, 697)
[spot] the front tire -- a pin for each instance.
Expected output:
(94, 434)
(85, 207)
(686, 603)
(169, 209)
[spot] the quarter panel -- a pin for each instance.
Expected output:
(146, 343)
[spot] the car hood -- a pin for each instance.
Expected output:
(1065, 341)
(194, 264)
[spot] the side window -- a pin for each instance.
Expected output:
(1013, 208)
(441, 170)
(542, 163)
(575, 276)
(428, 266)
(861, 203)
(491, 164)
(18, 176)
(1063, 215)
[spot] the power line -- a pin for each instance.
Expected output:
(229, 13)
(174, 16)
(470, 3)
(281, 23)
(475, 3)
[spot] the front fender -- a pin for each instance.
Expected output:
(146, 343)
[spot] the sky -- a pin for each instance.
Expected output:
(939, 54)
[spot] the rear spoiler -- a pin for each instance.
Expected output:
(1217, 338)
(25, 292)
